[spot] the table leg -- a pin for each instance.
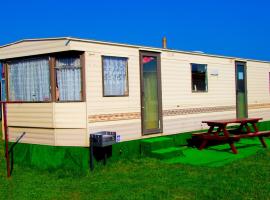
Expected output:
(263, 142)
(204, 143)
(226, 133)
(254, 125)
(234, 150)
(218, 131)
(248, 128)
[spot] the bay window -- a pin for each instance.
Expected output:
(56, 77)
(68, 79)
(29, 80)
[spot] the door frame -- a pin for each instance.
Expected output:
(160, 116)
(236, 87)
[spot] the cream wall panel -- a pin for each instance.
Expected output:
(29, 48)
(258, 82)
(70, 115)
(96, 103)
(176, 82)
(30, 115)
(104, 49)
(186, 123)
(263, 113)
(33, 135)
(70, 137)
(127, 129)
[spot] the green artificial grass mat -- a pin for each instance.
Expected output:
(219, 155)
(167, 153)
(157, 139)
(154, 144)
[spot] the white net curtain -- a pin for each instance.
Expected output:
(115, 76)
(68, 76)
(29, 80)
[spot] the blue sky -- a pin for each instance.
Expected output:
(238, 28)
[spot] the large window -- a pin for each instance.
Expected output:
(29, 80)
(115, 76)
(199, 77)
(68, 79)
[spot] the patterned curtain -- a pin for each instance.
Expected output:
(29, 80)
(115, 76)
(68, 74)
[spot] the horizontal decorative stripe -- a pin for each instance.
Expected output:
(258, 106)
(114, 117)
(188, 111)
(172, 112)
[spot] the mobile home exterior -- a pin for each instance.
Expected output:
(72, 87)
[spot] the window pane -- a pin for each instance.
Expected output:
(150, 82)
(199, 77)
(115, 76)
(29, 80)
(68, 75)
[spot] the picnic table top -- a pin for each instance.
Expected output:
(236, 120)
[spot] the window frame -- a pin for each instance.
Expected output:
(52, 62)
(7, 77)
(127, 78)
(206, 79)
(82, 64)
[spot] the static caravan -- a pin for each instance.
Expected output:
(69, 88)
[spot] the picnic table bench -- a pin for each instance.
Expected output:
(231, 135)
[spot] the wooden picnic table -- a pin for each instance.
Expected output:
(223, 133)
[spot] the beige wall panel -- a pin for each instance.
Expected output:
(176, 82)
(103, 49)
(186, 123)
(33, 135)
(263, 113)
(258, 82)
(127, 129)
(203, 59)
(70, 137)
(30, 115)
(97, 104)
(70, 115)
(29, 48)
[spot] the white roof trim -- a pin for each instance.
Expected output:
(134, 46)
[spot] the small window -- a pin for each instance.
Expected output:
(199, 77)
(29, 80)
(115, 76)
(68, 79)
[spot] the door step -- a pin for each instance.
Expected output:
(167, 153)
(160, 148)
(153, 144)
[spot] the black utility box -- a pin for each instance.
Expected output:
(103, 139)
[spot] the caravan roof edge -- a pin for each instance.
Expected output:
(134, 46)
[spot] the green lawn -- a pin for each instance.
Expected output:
(143, 178)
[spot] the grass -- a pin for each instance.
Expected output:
(143, 178)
